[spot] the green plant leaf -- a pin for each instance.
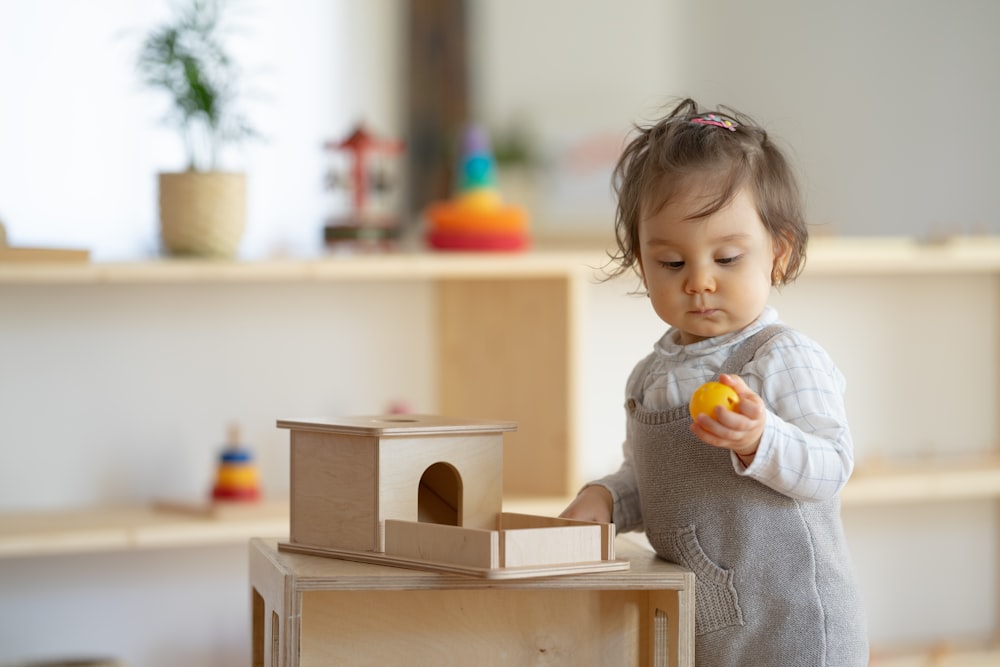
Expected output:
(187, 60)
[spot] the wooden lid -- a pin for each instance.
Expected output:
(397, 424)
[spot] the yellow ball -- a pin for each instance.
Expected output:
(711, 394)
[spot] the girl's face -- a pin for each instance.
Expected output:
(706, 276)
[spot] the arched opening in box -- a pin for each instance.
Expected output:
(439, 495)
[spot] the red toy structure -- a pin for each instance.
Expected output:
(363, 179)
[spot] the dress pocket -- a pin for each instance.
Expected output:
(717, 605)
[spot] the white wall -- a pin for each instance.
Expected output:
(131, 387)
(884, 105)
(881, 101)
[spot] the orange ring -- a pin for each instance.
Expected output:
(448, 217)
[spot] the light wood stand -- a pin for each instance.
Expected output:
(322, 611)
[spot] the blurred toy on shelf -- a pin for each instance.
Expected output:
(237, 477)
(11, 254)
(368, 178)
(399, 407)
(476, 217)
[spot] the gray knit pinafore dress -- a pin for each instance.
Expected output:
(775, 585)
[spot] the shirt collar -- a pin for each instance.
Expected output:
(669, 346)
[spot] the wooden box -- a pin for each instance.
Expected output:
(350, 474)
(310, 611)
(425, 491)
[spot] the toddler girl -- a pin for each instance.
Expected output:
(710, 217)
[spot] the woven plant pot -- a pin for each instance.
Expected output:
(202, 213)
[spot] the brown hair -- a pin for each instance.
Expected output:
(669, 155)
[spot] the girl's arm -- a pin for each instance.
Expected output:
(805, 466)
(805, 450)
(614, 498)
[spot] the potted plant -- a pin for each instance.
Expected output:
(202, 209)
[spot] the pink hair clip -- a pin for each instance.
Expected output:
(712, 119)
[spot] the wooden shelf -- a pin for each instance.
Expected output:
(110, 529)
(478, 297)
(827, 256)
(902, 256)
(924, 481)
(385, 266)
(126, 528)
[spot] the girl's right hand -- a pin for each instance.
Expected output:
(593, 503)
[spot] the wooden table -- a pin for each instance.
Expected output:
(309, 610)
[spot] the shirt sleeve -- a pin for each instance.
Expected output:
(624, 488)
(623, 483)
(806, 451)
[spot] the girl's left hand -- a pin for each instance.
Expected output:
(738, 430)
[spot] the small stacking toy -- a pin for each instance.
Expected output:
(477, 218)
(237, 477)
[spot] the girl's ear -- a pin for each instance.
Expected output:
(782, 253)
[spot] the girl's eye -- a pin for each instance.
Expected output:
(672, 265)
(725, 261)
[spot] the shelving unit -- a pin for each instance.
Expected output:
(511, 318)
(536, 304)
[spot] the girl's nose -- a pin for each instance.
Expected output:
(700, 279)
